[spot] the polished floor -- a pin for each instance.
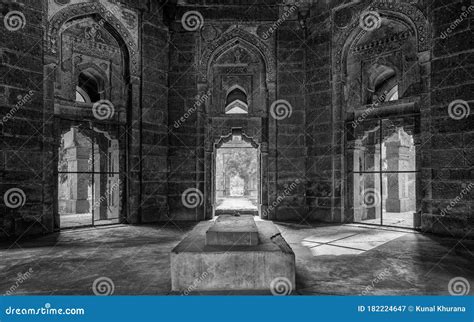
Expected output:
(340, 260)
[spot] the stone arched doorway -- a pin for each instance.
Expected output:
(240, 61)
(91, 68)
(237, 168)
(381, 73)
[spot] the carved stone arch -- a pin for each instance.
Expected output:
(227, 41)
(404, 13)
(236, 86)
(111, 23)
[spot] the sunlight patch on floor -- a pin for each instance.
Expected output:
(353, 242)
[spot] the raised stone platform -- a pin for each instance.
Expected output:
(231, 230)
(197, 266)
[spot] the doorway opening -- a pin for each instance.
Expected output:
(384, 174)
(237, 174)
(89, 183)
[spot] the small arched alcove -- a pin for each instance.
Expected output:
(90, 86)
(236, 101)
(382, 84)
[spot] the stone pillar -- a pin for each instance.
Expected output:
(264, 181)
(77, 161)
(100, 181)
(134, 166)
(371, 193)
(356, 152)
(210, 187)
(398, 159)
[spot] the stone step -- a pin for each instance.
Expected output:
(220, 212)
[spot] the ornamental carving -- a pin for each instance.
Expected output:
(395, 11)
(58, 22)
(380, 45)
(231, 38)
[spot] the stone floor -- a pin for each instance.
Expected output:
(81, 220)
(236, 203)
(396, 219)
(341, 260)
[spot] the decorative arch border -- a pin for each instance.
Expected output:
(84, 9)
(228, 40)
(405, 13)
(236, 86)
(227, 138)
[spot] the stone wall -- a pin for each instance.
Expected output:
(154, 136)
(26, 124)
(321, 191)
(290, 154)
(448, 205)
(184, 133)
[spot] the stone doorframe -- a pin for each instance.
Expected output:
(55, 25)
(262, 159)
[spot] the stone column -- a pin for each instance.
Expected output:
(264, 181)
(372, 194)
(398, 159)
(355, 152)
(77, 161)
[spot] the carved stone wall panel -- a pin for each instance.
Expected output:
(397, 11)
(126, 16)
(82, 49)
(210, 51)
(122, 20)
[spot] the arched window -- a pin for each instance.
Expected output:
(382, 85)
(89, 87)
(236, 102)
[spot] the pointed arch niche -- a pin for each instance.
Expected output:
(88, 50)
(380, 79)
(238, 67)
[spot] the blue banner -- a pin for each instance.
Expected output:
(237, 308)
